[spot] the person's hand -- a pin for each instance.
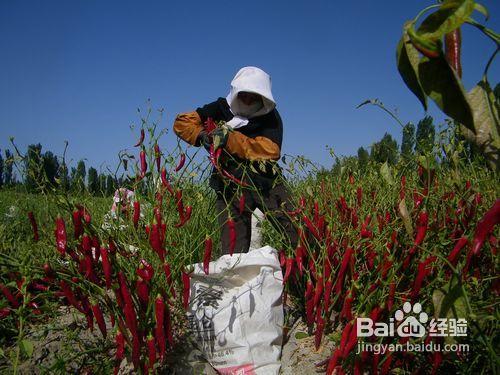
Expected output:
(205, 140)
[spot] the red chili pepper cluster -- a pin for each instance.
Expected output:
(341, 260)
(141, 308)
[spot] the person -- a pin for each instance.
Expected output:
(251, 141)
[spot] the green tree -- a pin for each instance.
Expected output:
(1, 170)
(386, 150)
(93, 182)
(110, 186)
(426, 133)
(8, 163)
(33, 168)
(50, 168)
(102, 184)
(408, 141)
(78, 180)
(363, 158)
(64, 176)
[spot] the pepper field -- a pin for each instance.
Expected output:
(112, 291)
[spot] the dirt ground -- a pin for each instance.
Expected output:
(57, 343)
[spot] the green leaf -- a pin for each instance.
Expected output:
(301, 335)
(450, 304)
(482, 9)
(437, 301)
(407, 58)
(441, 83)
(385, 171)
(26, 347)
(486, 121)
(449, 17)
(403, 212)
(262, 166)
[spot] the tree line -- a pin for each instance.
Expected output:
(415, 141)
(43, 171)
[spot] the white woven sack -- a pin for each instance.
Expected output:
(236, 312)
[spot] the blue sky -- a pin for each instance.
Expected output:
(78, 70)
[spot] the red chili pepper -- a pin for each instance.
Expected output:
(327, 296)
(207, 256)
(452, 44)
(182, 161)
(145, 270)
(157, 215)
(168, 276)
(130, 318)
(241, 204)
(168, 327)
(151, 351)
(34, 226)
(308, 293)
(155, 240)
(453, 257)
(141, 139)
(86, 215)
(142, 291)
(185, 217)
(88, 313)
(157, 157)
(120, 350)
(347, 309)
(68, 293)
(422, 273)
(320, 325)
(86, 244)
(232, 235)
(311, 227)
(144, 163)
(422, 223)
(288, 269)
(179, 204)
(125, 293)
(359, 196)
(165, 182)
(106, 267)
(186, 289)
(300, 253)
(60, 233)
(386, 366)
(96, 310)
(12, 300)
(334, 361)
(233, 178)
(282, 258)
(302, 205)
(390, 298)
(159, 324)
(210, 125)
(485, 226)
(353, 340)
(4, 312)
(137, 213)
(318, 291)
(49, 272)
(343, 268)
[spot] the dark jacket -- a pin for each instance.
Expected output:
(252, 150)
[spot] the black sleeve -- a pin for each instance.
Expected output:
(218, 111)
(273, 129)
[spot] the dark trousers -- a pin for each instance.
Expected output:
(273, 203)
